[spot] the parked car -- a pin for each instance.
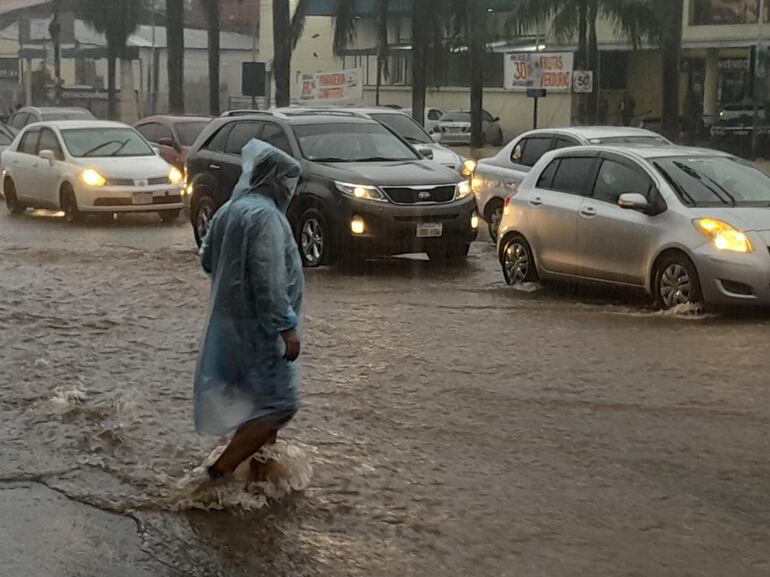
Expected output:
(687, 225)
(88, 166)
(173, 135)
(432, 116)
(6, 137)
(497, 177)
(363, 190)
(454, 129)
(404, 126)
(31, 114)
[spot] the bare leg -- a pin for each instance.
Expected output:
(247, 440)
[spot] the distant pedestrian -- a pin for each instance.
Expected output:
(247, 379)
(627, 109)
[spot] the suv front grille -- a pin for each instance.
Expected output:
(419, 194)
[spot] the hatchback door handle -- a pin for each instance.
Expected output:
(588, 211)
(537, 201)
(215, 166)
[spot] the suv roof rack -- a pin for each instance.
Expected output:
(249, 112)
(318, 112)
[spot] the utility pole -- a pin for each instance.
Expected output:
(760, 79)
(54, 29)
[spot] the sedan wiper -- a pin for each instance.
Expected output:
(330, 159)
(380, 159)
(121, 147)
(100, 146)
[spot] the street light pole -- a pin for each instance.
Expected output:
(760, 75)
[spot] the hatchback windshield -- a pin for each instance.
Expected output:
(456, 117)
(189, 131)
(404, 126)
(715, 181)
(350, 143)
(82, 142)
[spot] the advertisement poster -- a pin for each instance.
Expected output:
(551, 71)
(332, 86)
(710, 12)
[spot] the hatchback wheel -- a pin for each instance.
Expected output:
(495, 216)
(677, 282)
(69, 204)
(11, 200)
(517, 261)
(169, 216)
(313, 238)
(202, 220)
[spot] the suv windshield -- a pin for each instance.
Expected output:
(456, 117)
(715, 181)
(189, 131)
(341, 142)
(92, 142)
(404, 126)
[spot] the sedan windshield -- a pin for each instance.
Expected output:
(189, 131)
(715, 180)
(456, 117)
(336, 142)
(102, 142)
(404, 126)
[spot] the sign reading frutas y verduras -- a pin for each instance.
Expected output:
(331, 86)
(549, 70)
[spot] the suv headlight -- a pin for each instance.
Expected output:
(361, 191)
(463, 189)
(724, 236)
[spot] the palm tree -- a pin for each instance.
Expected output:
(382, 7)
(282, 45)
(671, 16)
(175, 46)
(212, 12)
(117, 20)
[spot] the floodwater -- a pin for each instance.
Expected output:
(451, 425)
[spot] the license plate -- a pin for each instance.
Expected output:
(142, 198)
(455, 129)
(430, 230)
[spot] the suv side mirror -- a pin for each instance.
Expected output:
(48, 155)
(496, 119)
(425, 152)
(633, 201)
(166, 142)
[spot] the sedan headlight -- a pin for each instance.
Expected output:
(723, 235)
(361, 191)
(463, 189)
(92, 178)
(175, 176)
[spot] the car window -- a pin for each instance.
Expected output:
(164, 132)
(19, 120)
(188, 132)
(563, 142)
(275, 135)
(529, 150)
(49, 141)
(574, 175)
(218, 141)
(434, 114)
(149, 131)
(456, 117)
(351, 142)
(546, 177)
(68, 115)
(615, 179)
(241, 133)
(406, 127)
(486, 116)
(28, 144)
(105, 142)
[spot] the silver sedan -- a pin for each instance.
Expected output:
(687, 225)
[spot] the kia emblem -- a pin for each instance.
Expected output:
(424, 195)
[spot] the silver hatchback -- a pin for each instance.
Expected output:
(687, 225)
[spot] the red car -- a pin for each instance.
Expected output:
(173, 135)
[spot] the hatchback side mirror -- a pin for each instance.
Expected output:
(48, 155)
(633, 201)
(166, 142)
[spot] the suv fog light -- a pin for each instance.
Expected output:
(474, 221)
(357, 225)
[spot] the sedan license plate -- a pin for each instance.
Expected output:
(142, 198)
(430, 230)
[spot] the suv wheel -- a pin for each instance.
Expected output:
(202, 218)
(314, 240)
(11, 200)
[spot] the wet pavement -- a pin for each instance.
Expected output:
(454, 426)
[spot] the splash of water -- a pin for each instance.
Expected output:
(67, 398)
(526, 287)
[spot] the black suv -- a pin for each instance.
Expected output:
(364, 190)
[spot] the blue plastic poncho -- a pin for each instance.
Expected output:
(257, 284)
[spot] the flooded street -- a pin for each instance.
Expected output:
(454, 426)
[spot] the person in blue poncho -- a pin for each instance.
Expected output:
(247, 379)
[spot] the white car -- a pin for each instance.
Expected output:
(432, 116)
(88, 166)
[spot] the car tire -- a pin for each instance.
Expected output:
(499, 140)
(494, 217)
(676, 282)
(517, 261)
(314, 238)
(169, 216)
(11, 200)
(201, 217)
(69, 204)
(448, 253)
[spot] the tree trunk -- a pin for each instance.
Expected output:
(382, 44)
(477, 32)
(214, 60)
(419, 60)
(592, 98)
(112, 101)
(175, 43)
(582, 56)
(55, 31)
(282, 49)
(671, 53)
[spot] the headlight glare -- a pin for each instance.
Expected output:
(92, 178)
(723, 235)
(361, 191)
(469, 166)
(463, 189)
(175, 176)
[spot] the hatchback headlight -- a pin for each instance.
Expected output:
(463, 189)
(361, 191)
(175, 176)
(92, 178)
(723, 235)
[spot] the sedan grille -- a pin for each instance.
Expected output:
(416, 195)
(136, 182)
